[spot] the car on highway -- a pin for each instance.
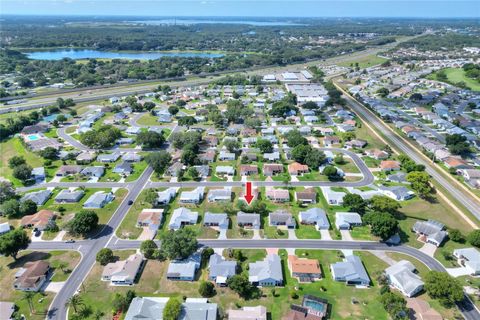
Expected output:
(130, 202)
(70, 241)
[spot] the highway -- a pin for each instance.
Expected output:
(396, 142)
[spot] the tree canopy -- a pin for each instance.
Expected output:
(179, 244)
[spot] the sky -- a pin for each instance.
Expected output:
(247, 8)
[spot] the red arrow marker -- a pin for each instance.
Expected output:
(248, 194)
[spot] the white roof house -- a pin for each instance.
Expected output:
(4, 227)
(194, 196)
(181, 217)
(123, 272)
(315, 216)
(402, 277)
(225, 170)
(216, 195)
(469, 258)
(164, 197)
(333, 197)
(345, 220)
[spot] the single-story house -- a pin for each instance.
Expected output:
(39, 197)
(270, 169)
(351, 271)
(192, 197)
(401, 276)
(226, 156)
(469, 258)
(248, 220)
(307, 196)
(41, 220)
(248, 313)
(333, 197)
(315, 216)
(389, 165)
(305, 270)
(277, 195)
(430, 231)
(346, 220)
(219, 220)
(398, 193)
(220, 269)
(69, 196)
(68, 170)
(281, 218)
(98, 200)
(184, 270)
(267, 272)
(32, 276)
(181, 217)
(296, 169)
(108, 157)
(151, 218)
(123, 168)
(224, 170)
(131, 157)
(96, 171)
(164, 197)
(123, 272)
(246, 170)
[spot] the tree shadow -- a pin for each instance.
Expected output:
(29, 257)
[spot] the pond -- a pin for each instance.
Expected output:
(96, 54)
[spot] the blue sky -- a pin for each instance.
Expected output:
(250, 8)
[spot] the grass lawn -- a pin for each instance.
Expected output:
(363, 62)
(14, 147)
(41, 301)
(148, 120)
(348, 166)
(128, 229)
(138, 168)
(456, 75)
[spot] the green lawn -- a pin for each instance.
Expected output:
(456, 75)
(148, 120)
(128, 229)
(363, 62)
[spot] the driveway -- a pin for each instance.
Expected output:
(291, 234)
(54, 286)
(346, 235)
(458, 272)
(429, 249)
(256, 234)
(223, 234)
(325, 234)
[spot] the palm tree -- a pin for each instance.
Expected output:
(28, 295)
(74, 301)
(62, 265)
(98, 315)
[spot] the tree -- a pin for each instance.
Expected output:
(61, 118)
(295, 138)
(84, 222)
(300, 152)
(28, 207)
(314, 158)
(420, 182)
(330, 172)
(179, 244)
(6, 191)
(159, 161)
(149, 105)
(105, 256)
(150, 139)
(16, 161)
(339, 159)
(382, 224)
(119, 303)
(14, 241)
(101, 138)
(310, 105)
(10, 208)
(206, 289)
(443, 287)
(395, 305)
(23, 172)
(232, 145)
(265, 146)
(49, 153)
(173, 307)
(173, 110)
(474, 238)
(189, 157)
(206, 253)
(456, 236)
(148, 248)
(75, 302)
(354, 203)
(457, 144)
(383, 92)
(384, 204)
(180, 103)
(151, 196)
(187, 121)
(193, 173)
(240, 284)
(73, 113)
(29, 295)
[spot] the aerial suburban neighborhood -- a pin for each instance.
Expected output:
(204, 184)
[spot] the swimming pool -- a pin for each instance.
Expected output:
(33, 137)
(315, 305)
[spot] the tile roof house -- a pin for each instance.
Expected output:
(32, 276)
(277, 195)
(296, 169)
(389, 165)
(430, 231)
(270, 169)
(41, 220)
(123, 272)
(248, 313)
(315, 216)
(151, 308)
(281, 218)
(351, 271)
(246, 170)
(469, 258)
(401, 276)
(220, 269)
(457, 163)
(305, 270)
(421, 310)
(98, 200)
(377, 154)
(266, 273)
(184, 270)
(219, 220)
(356, 143)
(69, 196)
(192, 197)
(181, 217)
(39, 197)
(306, 196)
(151, 218)
(248, 220)
(346, 220)
(164, 197)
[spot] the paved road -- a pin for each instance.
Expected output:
(89, 250)
(470, 203)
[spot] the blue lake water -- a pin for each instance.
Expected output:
(96, 54)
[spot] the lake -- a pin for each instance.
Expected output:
(96, 54)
